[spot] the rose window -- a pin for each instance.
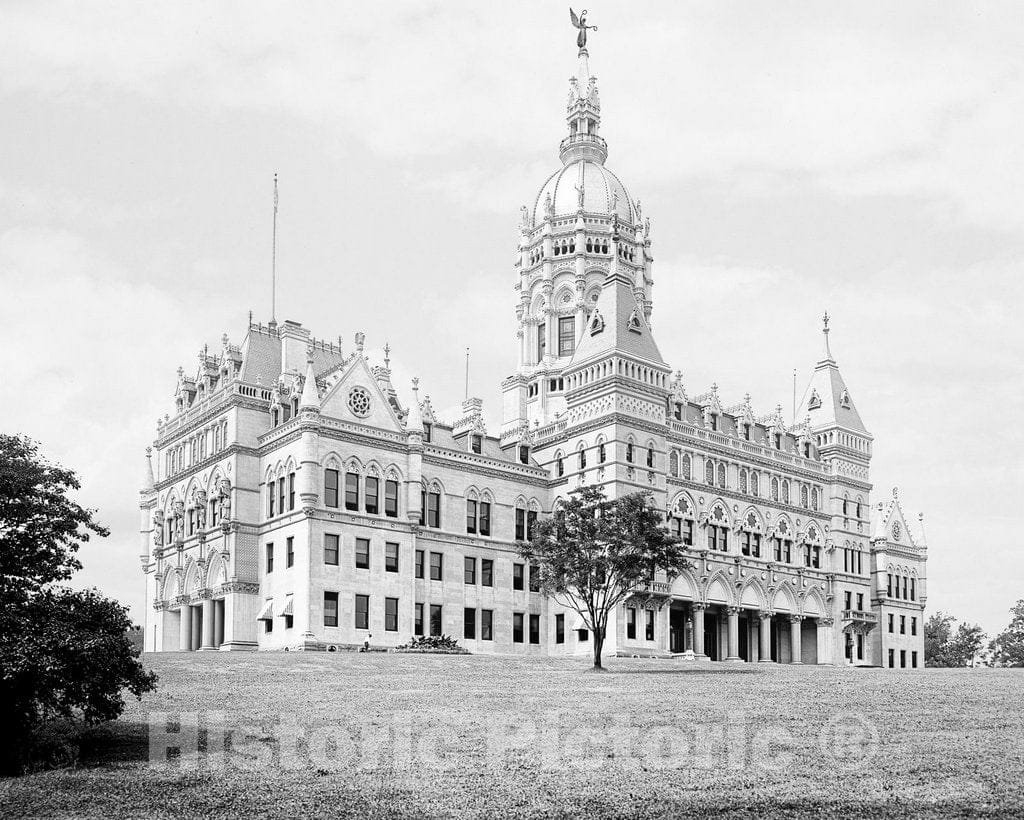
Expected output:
(359, 402)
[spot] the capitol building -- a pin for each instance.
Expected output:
(297, 499)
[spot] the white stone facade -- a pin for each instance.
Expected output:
(252, 537)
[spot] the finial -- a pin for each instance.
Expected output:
(309, 355)
(580, 23)
(824, 320)
(416, 384)
(746, 398)
(714, 387)
(149, 452)
(250, 318)
(387, 355)
(896, 493)
(224, 340)
(824, 330)
(679, 375)
(360, 339)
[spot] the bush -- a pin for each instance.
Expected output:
(426, 643)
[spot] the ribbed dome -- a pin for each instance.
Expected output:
(601, 188)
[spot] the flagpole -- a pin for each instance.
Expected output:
(273, 262)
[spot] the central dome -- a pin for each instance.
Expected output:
(603, 193)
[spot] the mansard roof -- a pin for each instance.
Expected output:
(827, 400)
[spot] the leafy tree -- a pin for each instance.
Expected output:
(63, 654)
(937, 631)
(943, 647)
(594, 552)
(1008, 646)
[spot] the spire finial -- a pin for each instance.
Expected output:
(824, 330)
(273, 261)
(387, 355)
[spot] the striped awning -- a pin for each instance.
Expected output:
(267, 613)
(287, 607)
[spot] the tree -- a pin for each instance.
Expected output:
(937, 631)
(1008, 646)
(63, 654)
(594, 552)
(943, 647)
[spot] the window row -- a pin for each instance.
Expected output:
(853, 561)
(361, 493)
(848, 600)
(281, 495)
(902, 586)
(903, 659)
(205, 442)
(361, 612)
(903, 624)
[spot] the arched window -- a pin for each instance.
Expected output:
(709, 471)
(629, 452)
(785, 492)
(681, 521)
(673, 464)
(686, 466)
(755, 484)
(650, 456)
(803, 496)
(718, 529)
(775, 489)
(814, 499)
(721, 474)
(743, 481)
(751, 544)
(602, 454)
(583, 458)
(559, 465)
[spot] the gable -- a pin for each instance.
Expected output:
(356, 397)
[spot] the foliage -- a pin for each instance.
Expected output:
(64, 655)
(433, 642)
(1008, 646)
(943, 647)
(593, 553)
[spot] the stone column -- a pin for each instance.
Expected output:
(197, 625)
(208, 624)
(752, 636)
(218, 623)
(688, 633)
(185, 629)
(826, 642)
(794, 638)
(698, 629)
(766, 636)
(734, 635)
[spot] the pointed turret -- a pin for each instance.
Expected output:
(827, 400)
(147, 476)
(310, 397)
(617, 326)
(414, 423)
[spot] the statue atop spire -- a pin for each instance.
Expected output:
(581, 24)
(824, 330)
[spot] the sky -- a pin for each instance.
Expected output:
(793, 157)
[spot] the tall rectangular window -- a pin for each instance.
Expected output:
(542, 341)
(903, 624)
(391, 557)
(352, 492)
(371, 490)
(649, 631)
(270, 500)
(470, 516)
(534, 578)
(330, 609)
(631, 623)
(486, 572)
(913, 626)
(517, 576)
(913, 660)
(291, 491)
(560, 628)
(476, 442)
(484, 520)
(434, 510)
(566, 335)
(362, 611)
(362, 553)
(331, 549)
(913, 589)
(534, 628)
(892, 659)
(436, 559)
(418, 624)
(860, 600)
(435, 619)
(517, 627)
(890, 584)
(289, 552)
(469, 623)
(892, 622)
(419, 563)
(520, 524)
(270, 557)
(391, 499)
(470, 570)
(331, 488)
(280, 495)
(903, 658)
(390, 614)
(486, 624)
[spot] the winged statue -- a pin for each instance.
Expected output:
(581, 24)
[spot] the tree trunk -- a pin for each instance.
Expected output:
(598, 646)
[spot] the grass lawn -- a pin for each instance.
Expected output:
(369, 735)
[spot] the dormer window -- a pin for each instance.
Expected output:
(677, 412)
(778, 441)
(427, 428)
(714, 421)
(746, 432)
(524, 454)
(476, 442)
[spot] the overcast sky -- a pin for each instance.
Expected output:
(865, 158)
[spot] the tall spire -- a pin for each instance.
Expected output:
(824, 330)
(583, 110)
(147, 476)
(310, 399)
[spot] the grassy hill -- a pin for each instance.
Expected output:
(422, 735)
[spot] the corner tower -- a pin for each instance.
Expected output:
(583, 227)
